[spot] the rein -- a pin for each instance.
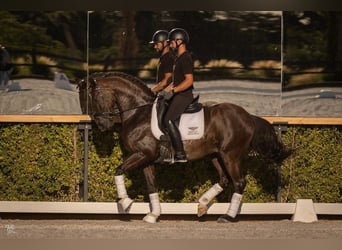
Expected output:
(110, 114)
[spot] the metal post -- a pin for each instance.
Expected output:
(279, 127)
(85, 128)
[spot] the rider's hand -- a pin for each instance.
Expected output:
(166, 95)
(169, 87)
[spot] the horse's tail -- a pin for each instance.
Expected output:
(266, 143)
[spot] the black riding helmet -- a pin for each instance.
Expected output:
(159, 36)
(178, 34)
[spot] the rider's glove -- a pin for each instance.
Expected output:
(167, 95)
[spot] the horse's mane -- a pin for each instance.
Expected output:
(135, 80)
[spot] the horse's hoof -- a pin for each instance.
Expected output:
(150, 218)
(225, 219)
(202, 209)
(126, 203)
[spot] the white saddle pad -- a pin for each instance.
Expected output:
(191, 126)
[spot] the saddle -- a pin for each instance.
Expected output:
(190, 124)
(194, 106)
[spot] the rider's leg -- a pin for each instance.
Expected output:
(176, 141)
(161, 110)
(176, 107)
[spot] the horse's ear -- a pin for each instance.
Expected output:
(92, 83)
(79, 83)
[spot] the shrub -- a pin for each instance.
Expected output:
(314, 171)
(39, 162)
(265, 69)
(44, 162)
(104, 156)
(224, 67)
(149, 69)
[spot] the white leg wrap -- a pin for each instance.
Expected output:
(210, 194)
(150, 218)
(120, 186)
(125, 204)
(155, 204)
(234, 205)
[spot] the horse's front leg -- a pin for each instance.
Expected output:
(134, 160)
(155, 207)
(125, 202)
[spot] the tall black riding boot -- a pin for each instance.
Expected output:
(177, 143)
(161, 110)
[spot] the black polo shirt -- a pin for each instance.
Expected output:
(165, 65)
(183, 65)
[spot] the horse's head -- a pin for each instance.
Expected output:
(99, 103)
(115, 96)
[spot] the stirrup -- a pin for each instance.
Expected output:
(164, 138)
(181, 160)
(180, 157)
(167, 158)
(175, 159)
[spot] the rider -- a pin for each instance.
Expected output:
(166, 60)
(164, 72)
(6, 67)
(180, 91)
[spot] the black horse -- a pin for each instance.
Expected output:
(229, 133)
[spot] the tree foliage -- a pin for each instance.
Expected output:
(120, 39)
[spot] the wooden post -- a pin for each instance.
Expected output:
(279, 127)
(85, 127)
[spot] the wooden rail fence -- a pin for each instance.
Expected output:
(304, 210)
(290, 120)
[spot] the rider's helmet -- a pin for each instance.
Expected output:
(178, 34)
(159, 36)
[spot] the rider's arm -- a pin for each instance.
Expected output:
(184, 85)
(162, 84)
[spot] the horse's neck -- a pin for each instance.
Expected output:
(132, 102)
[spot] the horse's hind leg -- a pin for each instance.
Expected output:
(153, 216)
(232, 163)
(205, 199)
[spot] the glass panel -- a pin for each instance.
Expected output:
(312, 83)
(47, 54)
(238, 57)
(237, 54)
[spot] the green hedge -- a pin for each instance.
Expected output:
(44, 162)
(39, 162)
(315, 169)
